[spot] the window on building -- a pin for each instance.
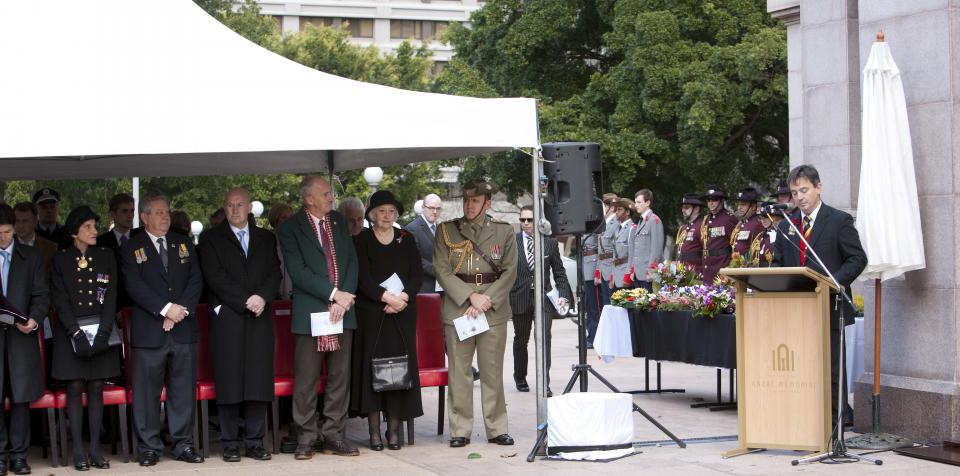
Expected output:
(315, 21)
(359, 27)
(416, 29)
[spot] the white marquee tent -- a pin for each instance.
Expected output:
(115, 88)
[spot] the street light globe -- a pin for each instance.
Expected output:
(373, 176)
(196, 227)
(418, 207)
(257, 208)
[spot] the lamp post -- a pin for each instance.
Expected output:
(373, 177)
(196, 228)
(256, 208)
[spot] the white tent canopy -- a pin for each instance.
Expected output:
(115, 88)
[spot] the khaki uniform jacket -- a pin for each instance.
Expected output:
(453, 254)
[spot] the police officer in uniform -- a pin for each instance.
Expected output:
(591, 284)
(475, 261)
(748, 227)
(621, 245)
(47, 201)
(715, 231)
(688, 244)
(607, 238)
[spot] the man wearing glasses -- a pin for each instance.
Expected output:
(424, 228)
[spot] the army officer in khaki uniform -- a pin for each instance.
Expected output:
(475, 261)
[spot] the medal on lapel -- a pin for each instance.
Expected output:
(183, 251)
(140, 255)
(101, 294)
(82, 262)
(496, 252)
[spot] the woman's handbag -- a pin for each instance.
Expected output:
(391, 373)
(113, 340)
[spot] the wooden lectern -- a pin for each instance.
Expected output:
(783, 359)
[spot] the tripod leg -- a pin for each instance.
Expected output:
(639, 410)
(541, 440)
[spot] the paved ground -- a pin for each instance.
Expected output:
(431, 455)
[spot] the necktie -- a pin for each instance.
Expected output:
(123, 239)
(807, 229)
(433, 228)
(530, 252)
(241, 235)
(5, 270)
(162, 250)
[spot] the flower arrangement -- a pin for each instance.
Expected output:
(858, 304)
(672, 274)
(703, 300)
(637, 298)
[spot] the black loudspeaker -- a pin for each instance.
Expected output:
(574, 202)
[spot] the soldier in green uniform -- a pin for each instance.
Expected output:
(475, 261)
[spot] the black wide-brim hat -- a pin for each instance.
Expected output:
(383, 197)
(748, 194)
(77, 217)
(691, 199)
(782, 188)
(714, 191)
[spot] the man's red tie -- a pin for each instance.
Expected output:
(803, 244)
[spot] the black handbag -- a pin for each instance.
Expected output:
(112, 341)
(391, 373)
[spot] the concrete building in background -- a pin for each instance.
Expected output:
(828, 42)
(383, 23)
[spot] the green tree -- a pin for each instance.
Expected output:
(679, 94)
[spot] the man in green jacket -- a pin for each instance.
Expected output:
(319, 255)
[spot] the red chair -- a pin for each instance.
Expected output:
(112, 395)
(206, 389)
(126, 316)
(47, 401)
(431, 358)
(284, 345)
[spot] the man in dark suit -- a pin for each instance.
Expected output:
(835, 240)
(26, 230)
(521, 295)
(242, 273)
(121, 212)
(23, 281)
(163, 279)
(424, 228)
(47, 201)
(319, 255)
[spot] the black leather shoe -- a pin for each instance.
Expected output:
(19, 466)
(81, 465)
(99, 462)
(190, 455)
(522, 385)
(231, 455)
(459, 442)
(376, 445)
(394, 445)
(503, 440)
(258, 453)
(148, 458)
(549, 392)
(339, 448)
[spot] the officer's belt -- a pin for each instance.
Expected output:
(619, 261)
(688, 256)
(479, 278)
(606, 255)
(589, 252)
(720, 252)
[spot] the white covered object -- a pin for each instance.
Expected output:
(613, 334)
(590, 419)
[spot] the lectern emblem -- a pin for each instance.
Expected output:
(783, 359)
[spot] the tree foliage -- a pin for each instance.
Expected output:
(680, 94)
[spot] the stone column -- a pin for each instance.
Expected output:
(788, 11)
(920, 376)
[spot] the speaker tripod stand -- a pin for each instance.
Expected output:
(582, 370)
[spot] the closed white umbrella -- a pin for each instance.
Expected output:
(888, 210)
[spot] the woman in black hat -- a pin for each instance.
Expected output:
(84, 290)
(386, 322)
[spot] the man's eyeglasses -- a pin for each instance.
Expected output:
(526, 220)
(435, 209)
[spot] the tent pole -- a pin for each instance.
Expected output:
(878, 303)
(330, 172)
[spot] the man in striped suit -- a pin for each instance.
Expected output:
(521, 295)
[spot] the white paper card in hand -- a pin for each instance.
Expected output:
(554, 297)
(320, 325)
(393, 285)
(437, 287)
(90, 331)
(468, 327)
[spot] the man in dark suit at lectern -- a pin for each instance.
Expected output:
(835, 240)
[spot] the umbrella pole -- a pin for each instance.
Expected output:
(877, 440)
